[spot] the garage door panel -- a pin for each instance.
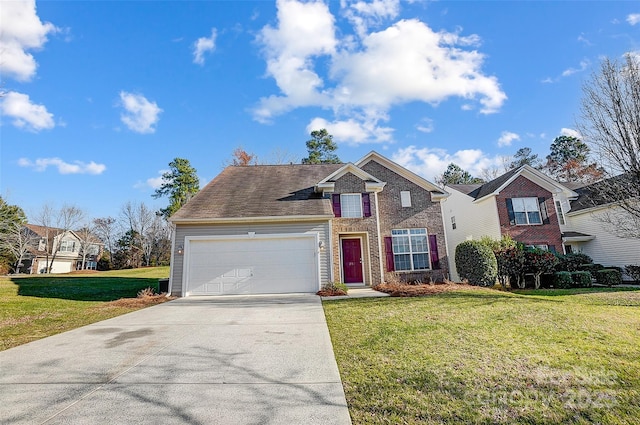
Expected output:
(252, 266)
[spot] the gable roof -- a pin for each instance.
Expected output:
(493, 187)
(260, 191)
(372, 183)
(402, 171)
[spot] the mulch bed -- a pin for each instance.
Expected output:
(139, 302)
(406, 290)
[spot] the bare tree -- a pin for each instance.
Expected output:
(138, 218)
(105, 229)
(610, 124)
(66, 219)
(89, 244)
(17, 239)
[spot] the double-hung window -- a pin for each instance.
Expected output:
(410, 249)
(351, 205)
(67, 246)
(526, 211)
(560, 213)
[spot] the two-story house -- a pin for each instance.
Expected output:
(523, 203)
(537, 211)
(60, 251)
(293, 228)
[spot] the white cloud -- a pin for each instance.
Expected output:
(305, 30)
(570, 132)
(570, 71)
(364, 14)
(25, 114)
(204, 45)
(584, 64)
(403, 63)
(139, 114)
(21, 31)
(354, 131)
(633, 18)
(507, 137)
(432, 162)
(152, 182)
(425, 125)
(77, 167)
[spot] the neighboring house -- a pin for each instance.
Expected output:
(72, 251)
(522, 203)
(593, 235)
(293, 228)
(539, 212)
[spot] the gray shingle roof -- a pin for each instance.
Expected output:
(605, 191)
(261, 191)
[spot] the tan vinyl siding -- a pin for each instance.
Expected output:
(606, 248)
(473, 221)
(184, 230)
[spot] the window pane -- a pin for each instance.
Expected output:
(419, 244)
(420, 261)
(402, 262)
(531, 204)
(400, 232)
(400, 244)
(418, 231)
(521, 218)
(518, 204)
(534, 218)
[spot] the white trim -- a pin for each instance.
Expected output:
(172, 260)
(361, 236)
(398, 169)
(252, 219)
(217, 238)
(328, 183)
(536, 177)
(380, 250)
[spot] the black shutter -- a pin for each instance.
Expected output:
(512, 215)
(335, 201)
(543, 210)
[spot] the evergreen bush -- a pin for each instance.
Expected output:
(476, 263)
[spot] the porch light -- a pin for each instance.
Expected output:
(180, 249)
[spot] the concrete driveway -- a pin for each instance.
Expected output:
(205, 360)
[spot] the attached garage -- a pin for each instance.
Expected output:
(251, 264)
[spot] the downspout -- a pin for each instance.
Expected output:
(380, 257)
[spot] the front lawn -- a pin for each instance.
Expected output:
(34, 307)
(490, 357)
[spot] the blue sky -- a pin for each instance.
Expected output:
(100, 96)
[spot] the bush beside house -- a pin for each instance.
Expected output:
(476, 263)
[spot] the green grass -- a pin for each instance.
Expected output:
(34, 307)
(490, 357)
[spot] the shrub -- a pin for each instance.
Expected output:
(538, 262)
(609, 277)
(498, 245)
(633, 271)
(571, 262)
(510, 266)
(333, 289)
(581, 279)
(476, 263)
(562, 280)
(592, 268)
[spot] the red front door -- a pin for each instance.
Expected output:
(352, 260)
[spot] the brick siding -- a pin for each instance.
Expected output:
(544, 234)
(423, 213)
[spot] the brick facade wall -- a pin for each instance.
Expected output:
(544, 234)
(423, 213)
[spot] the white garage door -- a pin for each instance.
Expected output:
(262, 264)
